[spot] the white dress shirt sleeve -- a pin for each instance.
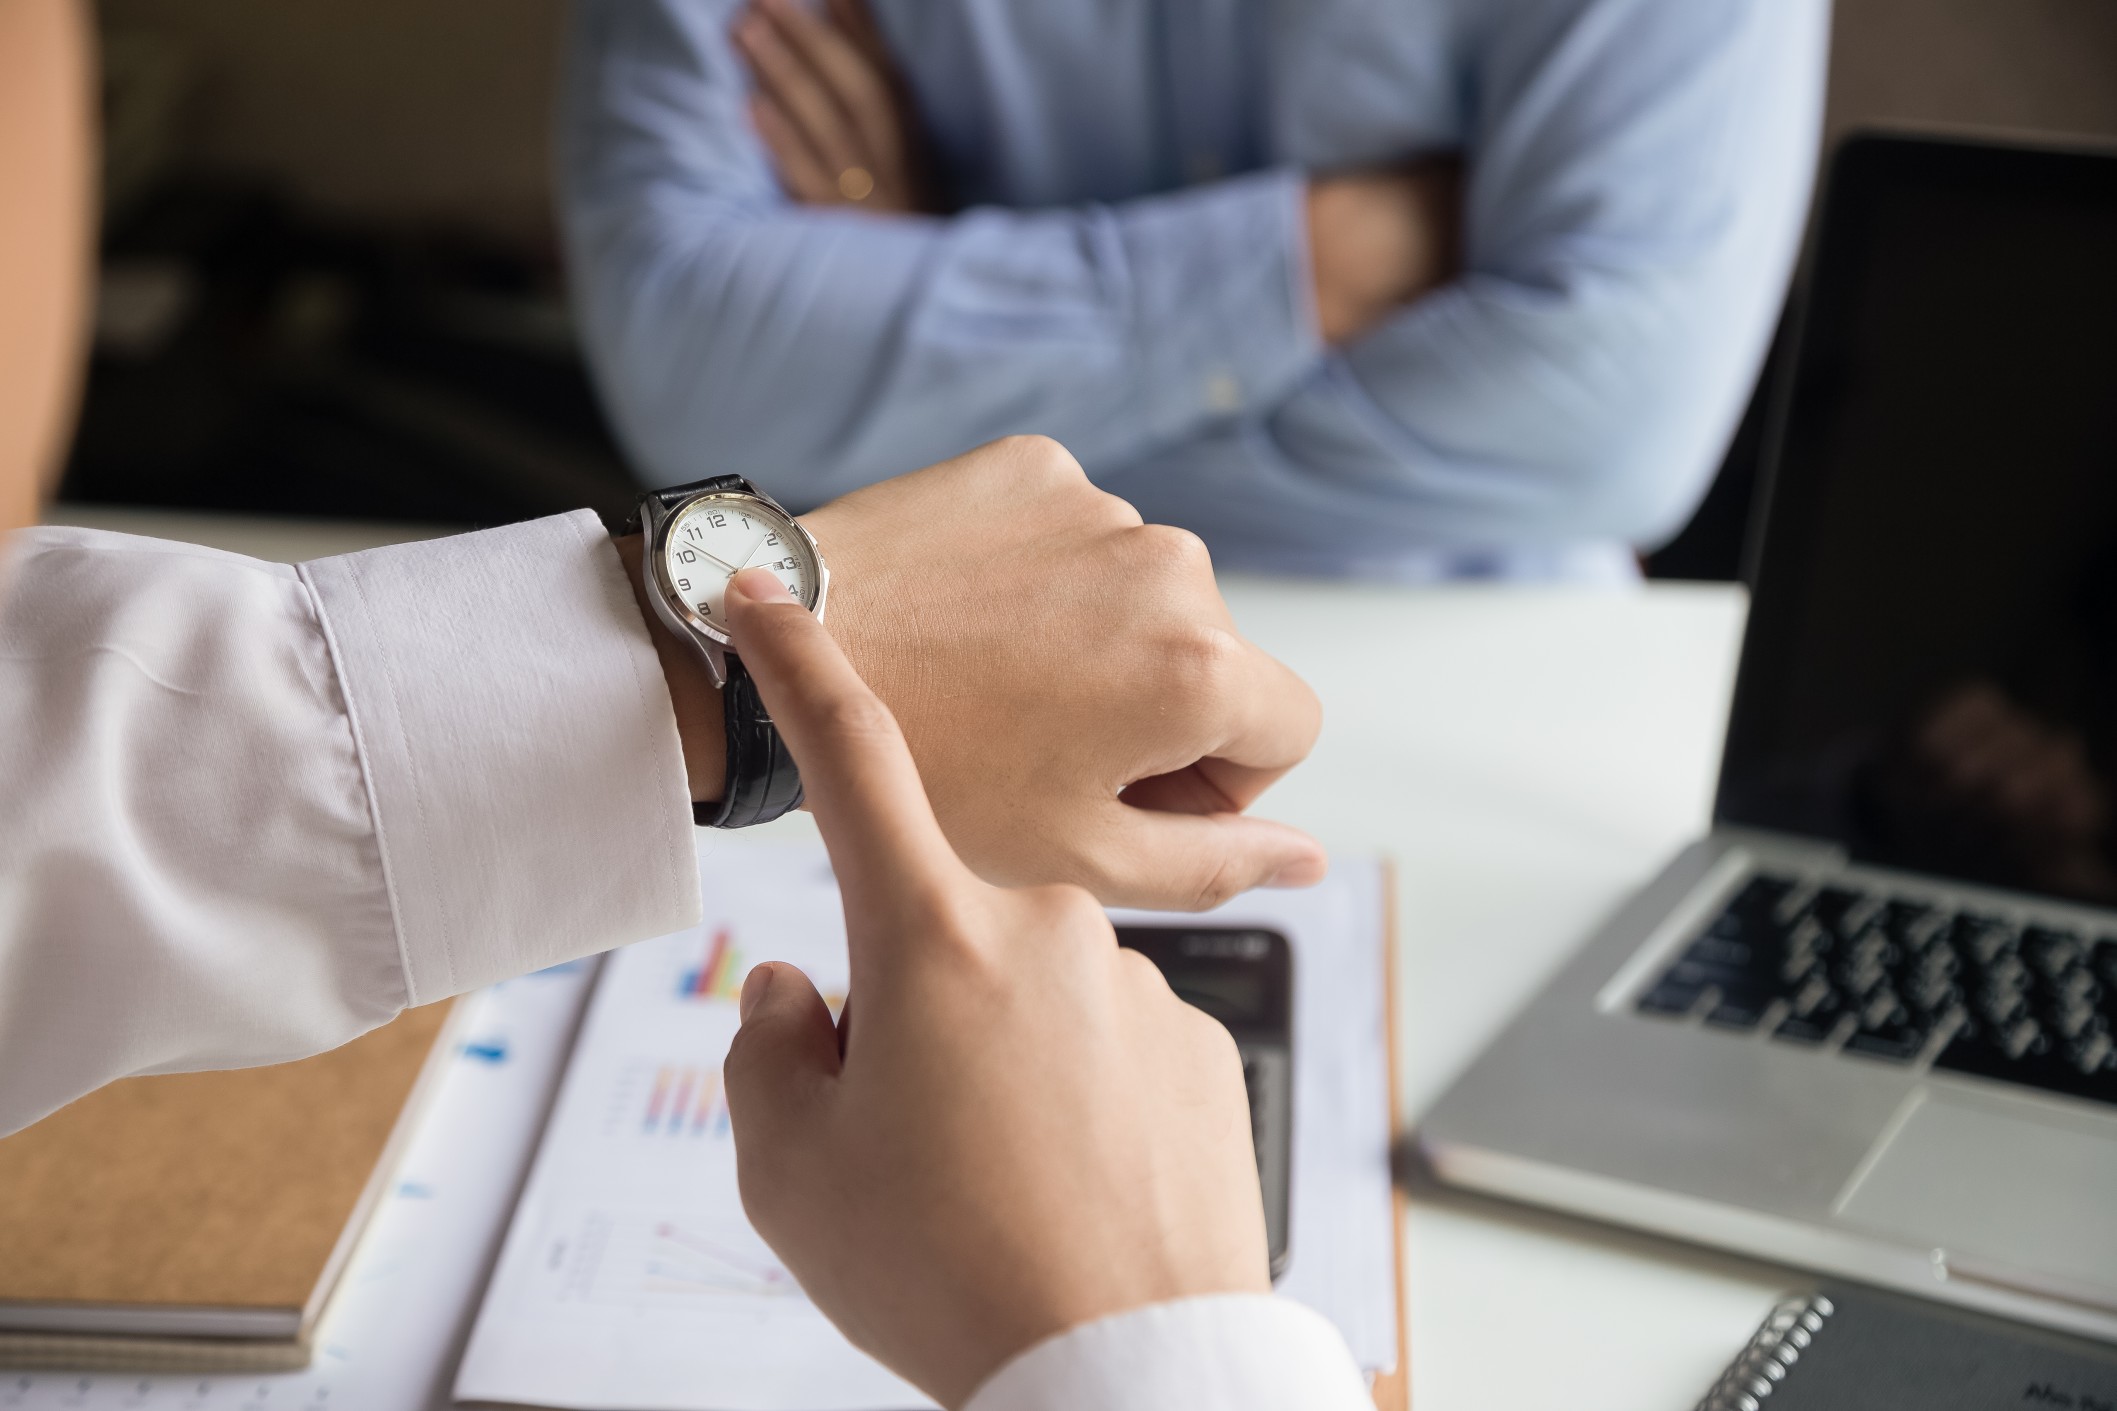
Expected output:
(1229, 1352)
(252, 811)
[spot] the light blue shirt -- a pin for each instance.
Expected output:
(1129, 273)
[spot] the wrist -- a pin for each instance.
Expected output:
(874, 643)
(692, 693)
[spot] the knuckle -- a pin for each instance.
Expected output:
(951, 915)
(1204, 662)
(1046, 457)
(1143, 974)
(956, 925)
(1218, 885)
(1069, 906)
(1217, 1046)
(1114, 511)
(1175, 552)
(1097, 871)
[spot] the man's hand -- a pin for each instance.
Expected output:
(1071, 685)
(831, 109)
(1024, 1129)
(1378, 240)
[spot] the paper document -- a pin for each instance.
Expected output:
(630, 1277)
(630, 1280)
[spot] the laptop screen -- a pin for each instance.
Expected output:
(1930, 674)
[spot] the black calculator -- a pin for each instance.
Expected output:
(1244, 977)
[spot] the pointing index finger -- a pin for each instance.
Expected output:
(861, 784)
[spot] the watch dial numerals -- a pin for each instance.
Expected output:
(710, 541)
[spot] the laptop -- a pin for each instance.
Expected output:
(1868, 1023)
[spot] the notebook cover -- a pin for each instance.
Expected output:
(1865, 1349)
(231, 1190)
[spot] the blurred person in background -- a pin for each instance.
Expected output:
(1461, 287)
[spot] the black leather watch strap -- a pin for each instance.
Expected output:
(762, 780)
(673, 494)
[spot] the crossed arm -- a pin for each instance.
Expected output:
(1636, 174)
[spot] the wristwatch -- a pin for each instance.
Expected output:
(699, 536)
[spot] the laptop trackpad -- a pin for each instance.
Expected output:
(2008, 1192)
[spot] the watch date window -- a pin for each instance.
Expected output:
(711, 540)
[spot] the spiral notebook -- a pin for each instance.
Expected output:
(1854, 1349)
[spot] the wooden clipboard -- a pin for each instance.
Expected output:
(1392, 1389)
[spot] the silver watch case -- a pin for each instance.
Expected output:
(709, 641)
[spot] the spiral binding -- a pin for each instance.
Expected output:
(1752, 1377)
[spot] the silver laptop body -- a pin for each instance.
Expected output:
(1866, 1025)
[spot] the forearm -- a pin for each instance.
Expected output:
(1633, 212)
(254, 811)
(818, 350)
(46, 238)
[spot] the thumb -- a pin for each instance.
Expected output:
(786, 1047)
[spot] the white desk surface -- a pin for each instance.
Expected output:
(1526, 757)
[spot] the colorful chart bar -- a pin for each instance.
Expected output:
(685, 1100)
(719, 976)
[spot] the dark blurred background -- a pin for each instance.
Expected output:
(331, 285)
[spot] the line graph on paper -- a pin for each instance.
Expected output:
(645, 1259)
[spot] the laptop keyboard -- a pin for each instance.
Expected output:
(1898, 979)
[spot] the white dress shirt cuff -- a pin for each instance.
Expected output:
(1228, 1352)
(519, 746)
(1223, 314)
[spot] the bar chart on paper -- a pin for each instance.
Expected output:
(630, 1278)
(720, 967)
(671, 1100)
(718, 973)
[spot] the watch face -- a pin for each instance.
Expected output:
(713, 538)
